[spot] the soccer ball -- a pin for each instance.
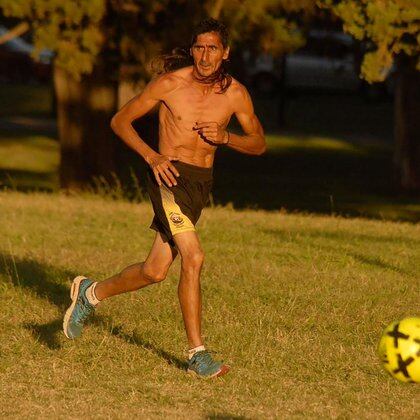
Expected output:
(399, 349)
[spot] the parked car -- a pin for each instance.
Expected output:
(17, 64)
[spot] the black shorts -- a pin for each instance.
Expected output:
(178, 208)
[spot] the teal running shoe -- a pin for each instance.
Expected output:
(203, 365)
(79, 309)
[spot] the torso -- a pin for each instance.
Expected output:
(181, 108)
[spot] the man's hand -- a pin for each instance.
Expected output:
(212, 132)
(163, 169)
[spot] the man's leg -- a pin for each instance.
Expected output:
(200, 360)
(85, 293)
(189, 291)
(136, 276)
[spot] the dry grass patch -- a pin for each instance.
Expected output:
(295, 303)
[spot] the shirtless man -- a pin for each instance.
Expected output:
(196, 104)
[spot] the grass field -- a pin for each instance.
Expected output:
(294, 303)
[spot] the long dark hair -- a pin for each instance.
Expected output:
(180, 57)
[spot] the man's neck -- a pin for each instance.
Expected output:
(200, 84)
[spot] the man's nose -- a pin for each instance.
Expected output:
(205, 55)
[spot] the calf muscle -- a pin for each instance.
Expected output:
(130, 279)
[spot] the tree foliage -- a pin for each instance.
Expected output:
(134, 31)
(73, 29)
(275, 26)
(389, 27)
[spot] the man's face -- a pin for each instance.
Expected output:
(208, 53)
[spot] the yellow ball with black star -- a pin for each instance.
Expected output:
(399, 349)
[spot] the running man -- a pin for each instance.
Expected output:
(196, 104)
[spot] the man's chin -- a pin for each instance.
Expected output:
(205, 73)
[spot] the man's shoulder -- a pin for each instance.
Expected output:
(237, 91)
(165, 82)
(168, 82)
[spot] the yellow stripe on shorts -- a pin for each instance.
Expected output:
(178, 222)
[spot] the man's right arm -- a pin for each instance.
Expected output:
(137, 107)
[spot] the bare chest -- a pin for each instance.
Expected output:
(188, 105)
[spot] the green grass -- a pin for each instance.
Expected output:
(28, 161)
(25, 100)
(294, 303)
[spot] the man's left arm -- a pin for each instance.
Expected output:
(253, 140)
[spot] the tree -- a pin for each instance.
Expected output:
(391, 32)
(102, 46)
(76, 31)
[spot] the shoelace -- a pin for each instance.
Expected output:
(85, 309)
(203, 357)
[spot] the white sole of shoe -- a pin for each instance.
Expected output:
(74, 291)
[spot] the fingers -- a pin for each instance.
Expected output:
(157, 177)
(201, 125)
(209, 132)
(172, 167)
(162, 177)
(166, 173)
(168, 179)
(210, 135)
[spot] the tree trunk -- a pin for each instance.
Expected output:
(84, 110)
(407, 126)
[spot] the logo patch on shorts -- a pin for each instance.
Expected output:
(176, 219)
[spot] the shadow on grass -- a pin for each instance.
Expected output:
(345, 236)
(377, 263)
(40, 279)
(46, 334)
(315, 180)
(28, 181)
(348, 239)
(304, 177)
(134, 338)
(37, 277)
(50, 332)
(219, 416)
(344, 175)
(44, 281)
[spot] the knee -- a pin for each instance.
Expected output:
(193, 260)
(154, 275)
